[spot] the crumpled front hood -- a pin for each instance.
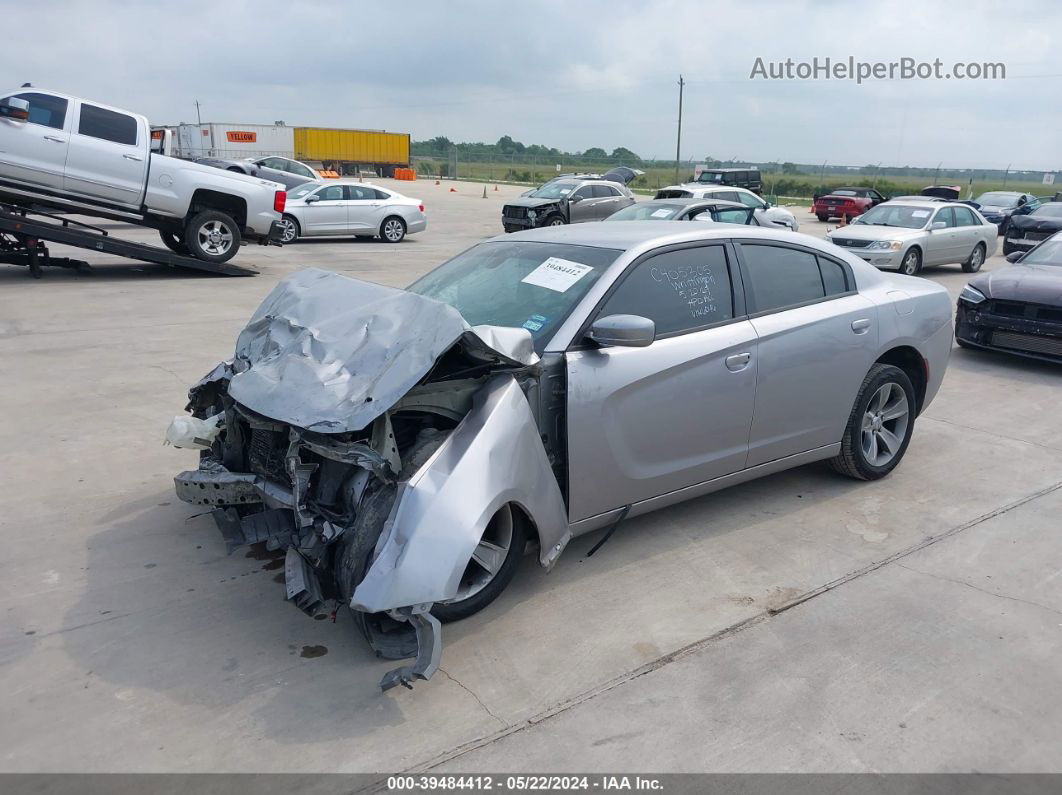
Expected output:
(329, 353)
(1038, 284)
(531, 203)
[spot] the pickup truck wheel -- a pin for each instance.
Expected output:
(173, 242)
(289, 229)
(393, 229)
(212, 236)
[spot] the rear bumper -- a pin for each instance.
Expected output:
(837, 211)
(416, 225)
(1032, 339)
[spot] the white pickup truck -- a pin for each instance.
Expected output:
(80, 156)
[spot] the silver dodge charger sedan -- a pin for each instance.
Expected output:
(349, 208)
(403, 447)
(910, 234)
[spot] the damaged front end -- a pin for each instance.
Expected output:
(373, 435)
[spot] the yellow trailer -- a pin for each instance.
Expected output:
(373, 148)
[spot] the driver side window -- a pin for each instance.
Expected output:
(333, 193)
(679, 291)
(750, 201)
(44, 109)
(584, 192)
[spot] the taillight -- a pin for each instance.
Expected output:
(421, 208)
(280, 201)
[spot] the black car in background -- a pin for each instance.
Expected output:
(1017, 309)
(1026, 231)
(1000, 206)
(748, 178)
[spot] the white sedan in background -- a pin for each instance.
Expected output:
(348, 208)
(767, 214)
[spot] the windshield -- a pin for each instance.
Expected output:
(302, 190)
(1047, 253)
(998, 199)
(554, 190)
(519, 284)
(1053, 210)
(710, 176)
(904, 215)
(646, 211)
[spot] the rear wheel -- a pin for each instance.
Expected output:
(880, 425)
(212, 236)
(911, 264)
(393, 229)
(822, 217)
(975, 260)
(289, 229)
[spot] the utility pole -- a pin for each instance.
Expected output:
(198, 118)
(1006, 174)
(678, 141)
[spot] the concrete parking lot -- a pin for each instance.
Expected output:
(800, 622)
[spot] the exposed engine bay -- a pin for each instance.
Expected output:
(376, 437)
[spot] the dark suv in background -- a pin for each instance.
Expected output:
(748, 178)
(571, 199)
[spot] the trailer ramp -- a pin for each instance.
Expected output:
(24, 233)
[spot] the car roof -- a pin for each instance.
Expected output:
(925, 202)
(631, 234)
(690, 201)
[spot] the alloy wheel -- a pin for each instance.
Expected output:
(288, 233)
(393, 230)
(885, 424)
(488, 557)
(215, 238)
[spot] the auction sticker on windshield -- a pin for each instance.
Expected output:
(557, 274)
(919, 213)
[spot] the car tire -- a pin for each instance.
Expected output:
(393, 229)
(976, 259)
(291, 229)
(212, 236)
(911, 264)
(508, 525)
(822, 217)
(174, 242)
(1004, 227)
(880, 425)
(554, 220)
(1008, 249)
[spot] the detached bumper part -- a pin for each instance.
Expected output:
(429, 648)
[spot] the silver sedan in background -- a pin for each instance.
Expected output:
(908, 235)
(349, 208)
(404, 446)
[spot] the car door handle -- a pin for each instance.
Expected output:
(53, 138)
(738, 362)
(861, 326)
(133, 157)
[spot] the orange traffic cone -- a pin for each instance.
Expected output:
(484, 191)
(436, 182)
(453, 190)
(844, 221)
(495, 187)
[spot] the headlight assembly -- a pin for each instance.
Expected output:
(970, 295)
(886, 245)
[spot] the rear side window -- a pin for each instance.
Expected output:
(780, 277)
(678, 290)
(946, 216)
(107, 125)
(45, 110)
(381, 195)
(834, 276)
(964, 217)
(602, 192)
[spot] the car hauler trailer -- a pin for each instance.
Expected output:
(24, 233)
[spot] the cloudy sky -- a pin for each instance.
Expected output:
(571, 74)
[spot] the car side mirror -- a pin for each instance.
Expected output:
(574, 199)
(15, 109)
(623, 331)
(313, 197)
(938, 225)
(1015, 256)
